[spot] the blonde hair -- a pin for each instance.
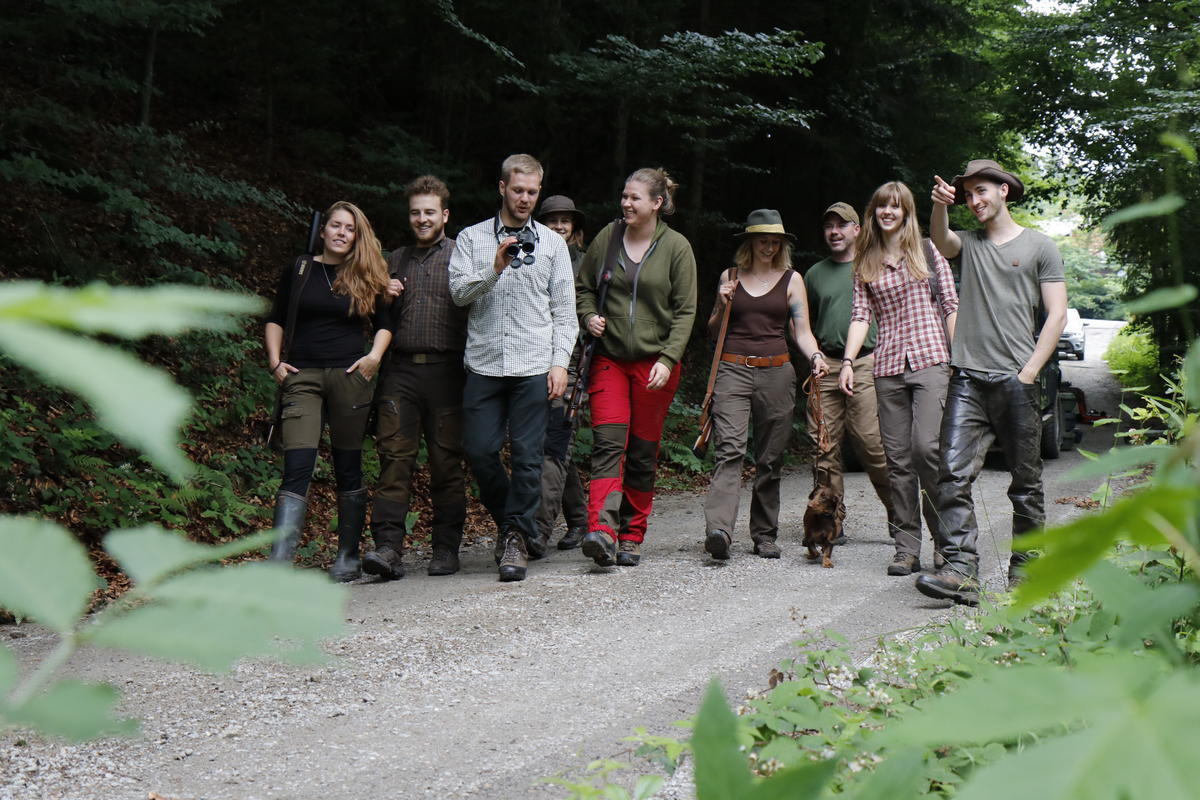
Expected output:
(521, 162)
(743, 257)
(363, 274)
(868, 248)
(660, 184)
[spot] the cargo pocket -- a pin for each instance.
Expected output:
(450, 429)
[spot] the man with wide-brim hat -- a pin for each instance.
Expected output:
(1009, 273)
(830, 287)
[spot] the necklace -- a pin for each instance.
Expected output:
(764, 281)
(325, 272)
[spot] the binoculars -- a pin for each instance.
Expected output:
(525, 243)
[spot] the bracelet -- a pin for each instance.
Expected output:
(817, 355)
(849, 361)
(277, 363)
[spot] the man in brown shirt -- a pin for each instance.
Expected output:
(422, 391)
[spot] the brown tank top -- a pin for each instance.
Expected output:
(758, 325)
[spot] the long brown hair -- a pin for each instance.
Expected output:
(363, 274)
(868, 248)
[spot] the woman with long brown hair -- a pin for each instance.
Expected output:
(906, 285)
(326, 376)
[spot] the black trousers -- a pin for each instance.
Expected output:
(977, 404)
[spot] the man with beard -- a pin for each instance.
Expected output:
(830, 285)
(1009, 273)
(521, 329)
(421, 393)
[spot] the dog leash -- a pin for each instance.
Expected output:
(812, 389)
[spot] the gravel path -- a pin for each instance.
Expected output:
(466, 687)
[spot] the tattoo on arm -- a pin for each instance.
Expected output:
(797, 312)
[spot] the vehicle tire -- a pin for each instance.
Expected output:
(1069, 430)
(1051, 438)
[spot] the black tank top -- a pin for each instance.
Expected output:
(758, 325)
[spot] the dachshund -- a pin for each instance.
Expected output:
(823, 523)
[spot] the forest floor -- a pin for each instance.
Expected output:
(466, 687)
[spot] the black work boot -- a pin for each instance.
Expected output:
(716, 544)
(949, 583)
(383, 562)
(572, 537)
(352, 515)
(290, 510)
(601, 548)
(1016, 567)
(537, 545)
(444, 560)
(515, 560)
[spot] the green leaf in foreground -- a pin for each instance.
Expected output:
(1190, 374)
(73, 710)
(1120, 459)
(1162, 299)
(44, 572)
(8, 670)
(1159, 207)
(139, 404)
(900, 776)
(124, 311)
(721, 771)
(1069, 550)
(214, 617)
(150, 553)
(1143, 612)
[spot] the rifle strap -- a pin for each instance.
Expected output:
(299, 279)
(615, 243)
(720, 346)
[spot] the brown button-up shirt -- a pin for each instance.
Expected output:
(429, 321)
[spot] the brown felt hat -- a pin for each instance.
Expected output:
(560, 204)
(765, 220)
(986, 168)
(843, 210)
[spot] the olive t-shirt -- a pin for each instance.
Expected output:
(999, 299)
(830, 288)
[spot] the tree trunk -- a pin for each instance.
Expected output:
(148, 77)
(621, 138)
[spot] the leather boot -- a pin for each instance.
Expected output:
(515, 559)
(949, 583)
(352, 514)
(290, 510)
(572, 537)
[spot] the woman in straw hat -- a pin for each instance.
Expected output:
(756, 384)
(906, 285)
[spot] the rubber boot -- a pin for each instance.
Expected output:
(290, 510)
(352, 515)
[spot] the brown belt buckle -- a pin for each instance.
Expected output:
(418, 358)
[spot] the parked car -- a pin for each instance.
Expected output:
(1071, 343)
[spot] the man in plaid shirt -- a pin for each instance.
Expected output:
(520, 332)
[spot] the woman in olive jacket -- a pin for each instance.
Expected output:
(642, 331)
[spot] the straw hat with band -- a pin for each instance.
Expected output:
(560, 204)
(989, 170)
(765, 220)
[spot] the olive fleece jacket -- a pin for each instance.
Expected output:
(649, 313)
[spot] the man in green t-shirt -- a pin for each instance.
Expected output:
(1009, 274)
(830, 286)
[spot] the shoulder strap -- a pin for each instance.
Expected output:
(303, 270)
(612, 253)
(935, 286)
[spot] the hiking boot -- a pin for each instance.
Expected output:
(352, 516)
(537, 545)
(572, 537)
(630, 553)
(717, 544)
(767, 548)
(515, 560)
(950, 584)
(1016, 568)
(384, 562)
(904, 564)
(600, 547)
(498, 547)
(939, 561)
(444, 560)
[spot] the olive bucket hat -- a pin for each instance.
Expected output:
(560, 204)
(986, 168)
(765, 220)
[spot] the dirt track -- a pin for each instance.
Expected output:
(466, 687)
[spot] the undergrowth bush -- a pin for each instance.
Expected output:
(1133, 357)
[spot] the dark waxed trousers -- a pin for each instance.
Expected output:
(979, 404)
(493, 406)
(421, 400)
(562, 490)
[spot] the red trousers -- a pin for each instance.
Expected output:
(627, 423)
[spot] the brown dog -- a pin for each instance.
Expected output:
(823, 523)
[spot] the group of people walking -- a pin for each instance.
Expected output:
(473, 342)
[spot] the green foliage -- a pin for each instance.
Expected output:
(1133, 357)
(45, 573)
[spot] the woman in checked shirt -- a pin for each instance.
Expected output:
(901, 280)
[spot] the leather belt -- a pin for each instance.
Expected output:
(757, 361)
(428, 358)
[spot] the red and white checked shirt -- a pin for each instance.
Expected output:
(911, 331)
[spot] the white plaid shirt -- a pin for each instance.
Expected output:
(522, 321)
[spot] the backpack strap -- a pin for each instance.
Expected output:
(611, 255)
(935, 286)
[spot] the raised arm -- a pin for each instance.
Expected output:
(946, 240)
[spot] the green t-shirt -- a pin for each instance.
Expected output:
(830, 287)
(999, 299)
